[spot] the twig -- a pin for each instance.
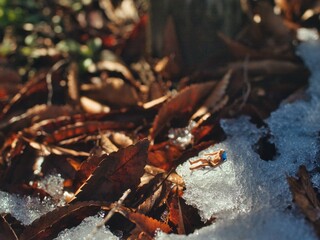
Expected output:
(54, 68)
(114, 209)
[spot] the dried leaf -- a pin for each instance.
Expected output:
(107, 145)
(272, 23)
(73, 85)
(135, 45)
(80, 128)
(304, 194)
(88, 166)
(164, 154)
(293, 10)
(92, 106)
(238, 50)
(6, 232)
(118, 66)
(51, 224)
(149, 195)
(146, 224)
(114, 91)
(116, 173)
(175, 214)
(182, 105)
(35, 114)
(211, 103)
(121, 140)
(31, 87)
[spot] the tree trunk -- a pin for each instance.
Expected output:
(197, 23)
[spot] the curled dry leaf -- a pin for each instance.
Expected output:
(114, 91)
(116, 173)
(80, 128)
(212, 102)
(117, 66)
(147, 225)
(237, 49)
(135, 44)
(272, 23)
(73, 84)
(33, 86)
(150, 195)
(88, 166)
(35, 114)
(91, 106)
(51, 224)
(182, 105)
(293, 10)
(305, 197)
(164, 154)
(10, 84)
(6, 232)
(175, 214)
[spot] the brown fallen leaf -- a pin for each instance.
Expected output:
(272, 23)
(183, 104)
(80, 128)
(305, 197)
(92, 106)
(116, 173)
(114, 91)
(88, 166)
(73, 85)
(35, 85)
(147, 225)
(175, 213)
(293, 10)
(212, 102)
(6, 232)
(150, 195)
(51, 224)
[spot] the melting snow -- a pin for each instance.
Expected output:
(84, 231)
(250, 197)
(24, 209)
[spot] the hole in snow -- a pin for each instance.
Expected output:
(266, 149)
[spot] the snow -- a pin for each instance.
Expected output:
(53, 185)
(33, 207)
(182, 137)
(250, 197)
(25, 209)
(84, 231)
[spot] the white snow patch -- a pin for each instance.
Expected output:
(85, 229)
(53, 185)
(250, 197)
(25, 209)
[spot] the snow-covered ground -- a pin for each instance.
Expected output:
(249, 197)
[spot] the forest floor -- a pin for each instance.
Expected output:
(100, 140)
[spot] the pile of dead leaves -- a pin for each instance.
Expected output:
(122, 120)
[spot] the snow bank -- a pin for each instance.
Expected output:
(85, 231)
(249, 196)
